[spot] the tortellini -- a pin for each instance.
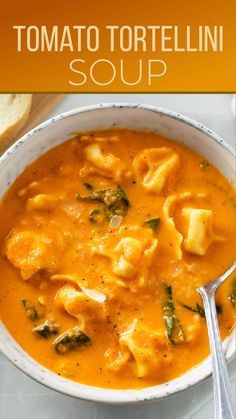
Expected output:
(154, 166)
(106, 165)
(145, 347)
(84, 306)
(176, 236)
(200, 232)
(129, 252)
(31, 251)
(42, 202)
(132, 256)
(150, 350)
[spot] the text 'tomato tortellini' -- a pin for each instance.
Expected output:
(103, 242)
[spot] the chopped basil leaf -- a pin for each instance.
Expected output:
(46, 329)
(200, 310)
(173, 325)
(110, 197)
(70, 340)
(197, 309)
(115, 201)
(31, 312)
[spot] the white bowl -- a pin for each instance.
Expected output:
(104, 116)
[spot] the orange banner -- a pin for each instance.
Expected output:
(118, 46)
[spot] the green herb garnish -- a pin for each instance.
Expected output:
(200, 310)
(46, 329)
(115, 201)
(173, 325)
(70, 340)
(30, 310)
(110, 197)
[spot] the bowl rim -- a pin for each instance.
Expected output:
(87, 392)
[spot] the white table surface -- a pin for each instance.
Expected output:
(22, 398)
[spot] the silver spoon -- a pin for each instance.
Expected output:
(223, 396)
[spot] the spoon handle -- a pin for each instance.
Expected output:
(223, 396)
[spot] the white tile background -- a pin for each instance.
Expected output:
(22, 398)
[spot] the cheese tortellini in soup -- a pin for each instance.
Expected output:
(131, 258)
(200, 232)
(80, 304)
(148, 350)
(34, 250)
(176, 236)
(105, 164)
(155, 166)
(43, 202)
(129, 252)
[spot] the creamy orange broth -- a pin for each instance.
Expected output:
(51, 235)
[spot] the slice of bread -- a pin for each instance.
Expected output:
(14, 111)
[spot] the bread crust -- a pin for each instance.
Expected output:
(10, 132)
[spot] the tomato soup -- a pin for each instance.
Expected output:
(104, 240)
